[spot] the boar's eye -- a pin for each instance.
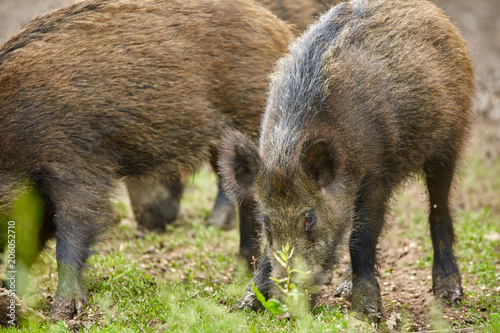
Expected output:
(310, 220)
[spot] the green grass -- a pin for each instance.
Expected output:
(187, 279)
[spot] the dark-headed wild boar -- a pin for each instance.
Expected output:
(106, 89)
(375, 91)
(156, 202)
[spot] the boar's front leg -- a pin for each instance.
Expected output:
(224, 213)
(370, 206)
(261, 280)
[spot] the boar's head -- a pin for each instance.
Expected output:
(300, 199)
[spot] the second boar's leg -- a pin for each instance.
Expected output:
(446, 280)
(370, 208)
(155, 202)
(223, 214)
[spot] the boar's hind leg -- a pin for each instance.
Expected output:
(445, 275)
(370, 207)
(224, 213)
(80, 211)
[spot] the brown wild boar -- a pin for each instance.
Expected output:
(375, 91)
(103, 90)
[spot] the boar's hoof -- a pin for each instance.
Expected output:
(370, 313)
(367, 309)
(64, 309)
(449, 295)
(344, 290)
(222, 217)
(366, 300)
(248, 301)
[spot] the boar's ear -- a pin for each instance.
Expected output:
(238, 165)
(316, 160)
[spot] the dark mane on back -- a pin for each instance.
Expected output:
(298, 91)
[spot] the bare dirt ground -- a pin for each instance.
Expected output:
(406, 290)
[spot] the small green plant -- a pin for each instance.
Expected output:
(294, 297)
(272, 305)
